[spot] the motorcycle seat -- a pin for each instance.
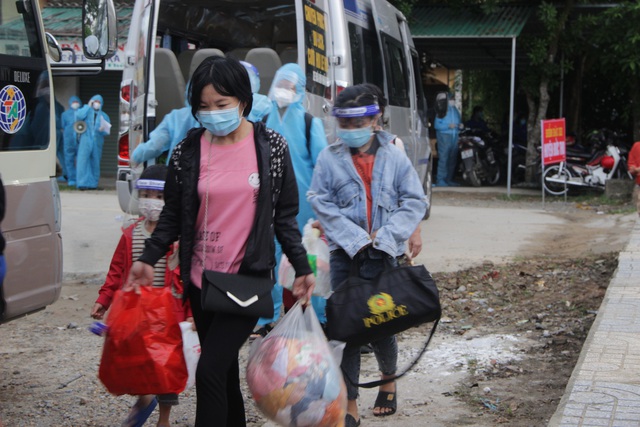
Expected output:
(578, 153)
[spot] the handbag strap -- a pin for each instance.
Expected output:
(205, 237)
(413, 363)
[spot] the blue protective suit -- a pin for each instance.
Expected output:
(447, 144)
(70, 141)
(171, 130)
(261, 103)
(91, 143)
(289, 122)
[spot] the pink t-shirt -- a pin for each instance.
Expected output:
(230, 175)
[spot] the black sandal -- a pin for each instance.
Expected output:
(261, 332)
(350, 421)
(386, 400)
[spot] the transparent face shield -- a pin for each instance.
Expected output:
(143, 189)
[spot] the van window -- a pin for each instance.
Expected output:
(366, 59)
(19, 35)
(398, 82)
(24, 83)
(421, 100)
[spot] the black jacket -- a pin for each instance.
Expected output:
(276, 210)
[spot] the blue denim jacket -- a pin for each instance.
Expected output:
(338, 197)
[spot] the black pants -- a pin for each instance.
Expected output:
(219, 400)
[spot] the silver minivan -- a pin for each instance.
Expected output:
(337, 43)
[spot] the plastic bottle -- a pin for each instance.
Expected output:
(98, 328)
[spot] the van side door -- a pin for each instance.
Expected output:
(399, 79)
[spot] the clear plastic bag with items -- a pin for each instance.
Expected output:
(294, 374)
(318, 255)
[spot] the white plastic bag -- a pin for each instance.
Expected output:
(318, 254)
(293, 374)
(191, 348)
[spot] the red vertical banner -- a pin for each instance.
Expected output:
(553, 141)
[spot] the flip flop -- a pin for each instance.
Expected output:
(386, 400)
(140, 416)
(261, 332)
(350, 421)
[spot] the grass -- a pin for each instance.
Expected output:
(587, 199)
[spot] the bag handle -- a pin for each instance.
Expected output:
(413, 363)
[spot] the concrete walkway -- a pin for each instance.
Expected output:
(604, 389)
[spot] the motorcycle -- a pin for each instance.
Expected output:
(519, 165)
(479, 161)
(606, 162)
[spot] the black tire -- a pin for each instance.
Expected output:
(494, 173)
(555, 188)
(473, 177)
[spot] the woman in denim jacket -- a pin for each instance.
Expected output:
(369, 200)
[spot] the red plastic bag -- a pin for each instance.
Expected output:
(143, 347)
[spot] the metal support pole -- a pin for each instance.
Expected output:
(511, 103)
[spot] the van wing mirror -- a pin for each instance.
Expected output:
(99, 34)
(55, 53)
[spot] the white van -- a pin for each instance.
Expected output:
(338, 43)
(32, 222)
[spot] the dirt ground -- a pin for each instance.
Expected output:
(503, 353)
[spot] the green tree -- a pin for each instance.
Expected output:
(543, 73)
(617, 37)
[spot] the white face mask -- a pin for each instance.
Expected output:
(75, 105)
(96, 106)
(283, 97)
(150, 208)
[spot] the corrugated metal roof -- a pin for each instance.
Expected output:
(468, 39)
(66, 21)
(437, 21)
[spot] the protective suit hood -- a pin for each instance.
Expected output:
(442, 104)
(74, 99)
(254, 76)
(99, 99)
(293, 74)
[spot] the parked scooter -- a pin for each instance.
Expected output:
(519, 165)
(605, 163)
(479, 157)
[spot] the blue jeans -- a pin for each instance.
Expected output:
(386, 349)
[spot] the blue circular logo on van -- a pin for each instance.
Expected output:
(13, 109)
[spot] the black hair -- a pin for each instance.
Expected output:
(228, 77)
(158, 171)
(374, 89)
(357, 96)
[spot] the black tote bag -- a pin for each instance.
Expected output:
(365, 310)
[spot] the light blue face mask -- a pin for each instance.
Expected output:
(220, 122)
(355, 138)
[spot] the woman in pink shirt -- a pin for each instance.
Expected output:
(230, 190)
